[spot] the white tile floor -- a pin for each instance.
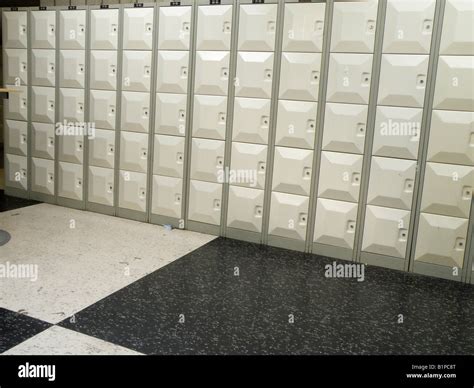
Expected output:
(79, 266)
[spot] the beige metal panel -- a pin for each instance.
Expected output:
(42, 176)
(71, 148)
(212, 72)
(168, 156)
(43, 67)
(458, 35)
(205, 202)
(167, 196)
(15, 66)
(300, 75)
(101, 186)
(133, 151)
(72, 68)
(43, 27)
(245, 208)
(172, 74)
(70, 180)
(14, 29)
(257, 27)
(16, 174)
(102, 108)
(16, 106)
(42, 142)
(248, 165)
(16, 137)
(72, 30)
(136, 70)
(292, 170)
(132, 190)
(103, 70)
(102, 149)
(214, 27)
(135, 112)
(207, 160)
(43, 104)
(137, 28)
(104, 29)
(174, 28)
(210, 116)
(71, 104)
(254, 74)
(251, 120)
(288, 216)
(170, 117)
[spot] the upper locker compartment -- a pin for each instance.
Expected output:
(214, 27)
(137, 28)
(72, 29)
(174, 28)
(257, 27)
(354, 26)
(43, 25)
(14, 29)
(458, 39)
(304, 27)
(408, 26)
(104, 29)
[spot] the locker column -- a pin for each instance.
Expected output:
(170, 129)
(102, 95)
(295, 125)
(397, 130)
(70, 125)
(15, 76)
(212, 67)
(43, 104)
(251, 119)
(134, 127)
(448, 184)
(344, 128)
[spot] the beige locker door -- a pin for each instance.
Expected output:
(245, 208)
(251, 120)
(42, 176)
(214, 27)
(174, 28)
(133, 151)
(288, 216)
(207, 160)
(212, 72)
(16, 137)
(135, 112)
(70, 180)
(132, 190)
(101, 186)
(210, 117)
(103, 70)
(248, 165)
(170, 117)
(257, 27)
(292, 170)
(167, 196)
(16, 168)
(102, 108)
(168, 156)
(104, 29)
(42, 142)
(102, 149)
(205, 202)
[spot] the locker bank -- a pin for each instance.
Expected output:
(201, 166)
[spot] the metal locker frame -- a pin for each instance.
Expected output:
(93, 206)
(124, 212)
(190, 224)
(164, 219)
(14, 191)
(467, 272)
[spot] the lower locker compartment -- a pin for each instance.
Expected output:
(245, 208)
(168, 156)
(102, 149)
(132, 190)
(288, 216)
(16, 137)
(70, 180)
(248, 165)
(71, 149)
(133, 151)
(292, 170)
(167, 196)
(205, 200)
(42, 177)
(101, 186)
(251, 120)
(207, 160)
(16, 171)
(170, 114)
(43, 140)
(210, 117)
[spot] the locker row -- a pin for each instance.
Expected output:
(207, 101)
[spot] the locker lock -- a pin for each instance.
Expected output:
(226, 27)
(315, 76)
(306, 172)
(23, 66)
(142, 193)
(467, 193)
(178, 198)
(112, 109)
(23, 29)
(51, 29)
(110, 188)
(222, 117)
(220, 161)
(81, 69)
(265, 121)
(311, 125)
(51, 68)
(181, 114)
(258, 211)
(23, 139)
(148, 27)
(271, 26)
(114, 28)
(261, 167)
(403, 234)
(371, 26)
(184, 72)
(23, 173)
(180, 157)
(147, 70)
(351, 226)
(360, 128)
(303, 218)
(186, 26)
(459, 244)
(355, 179)
(111, 149)
(79, 182)
(51, 105)
(427, 25)
(51, 142)
(421, 80)
(268, 74)
(81, 28)
(225, 73)
(23, 103)
(144, 153)
(50, 178)
(79, 146)
(217, 204)
(145, 112)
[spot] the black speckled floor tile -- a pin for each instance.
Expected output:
(16, 328)
(251, 313)
(10, 203)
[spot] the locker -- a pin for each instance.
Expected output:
(136, 71)
(43, 67)
(102, 108)
(397, 132)
(42, 145)
(72, 68)
(43, 25)
(172, 74)
(71, 148)
(212, 72)
(43, 104)
(454, 82)
(345, 126)
(391, 182)
(16, 137)
(210, 116)
(167, 196)
(386, 231)
(14, 29)
(15, 66)
(170, 117)
(245, 208)
(251, 120)
(257, 26)
(292, 170)
(353, 28)
(132, 190)
(248, 165)
(300, 74)
(458, 37)
(340, 176)
(174, 28)
(441, 240)
(451, 137)
(42, 176)
(403, 80)
(303, 27)
(135, 111)
(104, 29)
(70, 180)
(349, 78)
(448, 189)
(254, 75)
(408, 26)
(205, 202)
(16, 106)
(288, 216)
(168, 156)
(102, 149)
(103, 71)
(133, 151)
(214, 27)
(296, 123)
(335, 223)
(72, 30)
(207, 160)
(71, 104)
(16, 171)
(137, 28)
(101, 186)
